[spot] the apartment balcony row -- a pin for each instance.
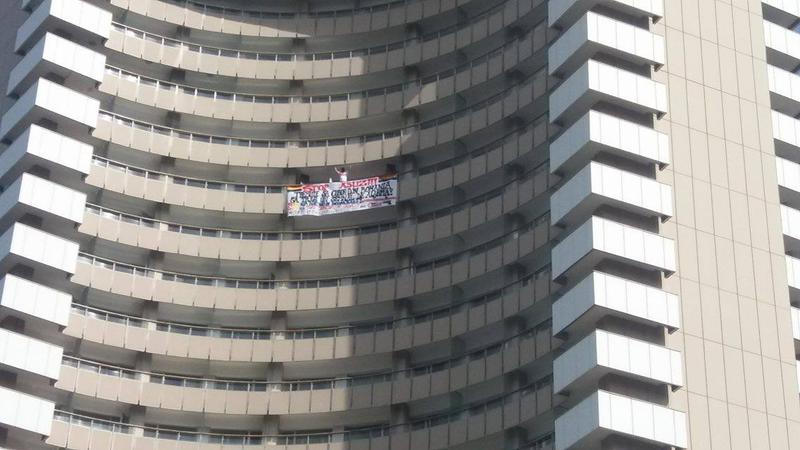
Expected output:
(219, 243)
(341, 106)
(220, 396)
(302, 66)
(604, 413)
(47, 100)
(271, 21)
(595, 33)
(513, 148)
(596, 82)
(437, 85)
(267, 295)
(473, 422)
(600, 239)
(482, 112)
(563, 13)
(240, 151)
(783, 45)
(784, 89)
(313, 344)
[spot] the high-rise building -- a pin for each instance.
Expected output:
(400, 224)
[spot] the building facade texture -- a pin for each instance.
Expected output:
(595, 241)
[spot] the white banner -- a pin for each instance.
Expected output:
(341, 196)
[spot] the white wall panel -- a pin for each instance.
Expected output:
(595, 32)
(612, 238)
(76, 13)
(783, 82)
(42, 143)
(793, 271)
(619, 353)
(595, 81)
(782, 40)
(795, 322)
(34, 244)
(608, 133)
(604, 412)
(53, 98)
(562, 11)
(26, 411)
(788, 6)
(619, 295)
(61, 52)
(608, 185)
(44, 195)
(35, 299)
(29, 354)
(786, 129)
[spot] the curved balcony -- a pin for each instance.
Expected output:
(294, 66)
(226, 150)
(223, 196)
(175, 190)
(470, 423)
(320, 108)
(270, 23)
(191, 394)
(478, 116)
(263, 345)
(184, 340)
(268, 295)
(510, 149)
(308, 245)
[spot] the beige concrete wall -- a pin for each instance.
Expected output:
(741, 385)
